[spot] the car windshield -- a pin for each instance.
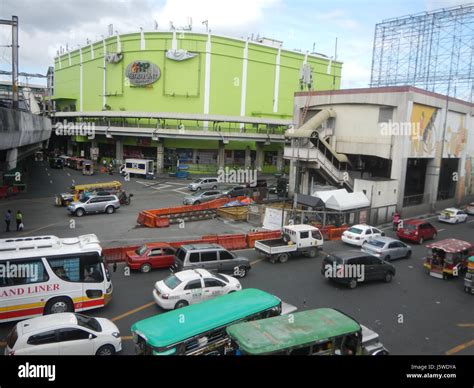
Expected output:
(376, 243)
(410, 227)
(84, 199)
(88, 322)
(197, 194)
(221, 277)
(172, 282)
(334, 259)
(140, 251)
(355, 230)
(197, 181)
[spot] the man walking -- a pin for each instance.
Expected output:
(8, 218)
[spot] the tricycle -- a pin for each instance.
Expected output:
(469, 278)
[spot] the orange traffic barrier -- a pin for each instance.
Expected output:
(255, 236)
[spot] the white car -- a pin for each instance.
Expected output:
(192, 286)
(452, 215)
(360, 234)
(64, 334)
(470, 209)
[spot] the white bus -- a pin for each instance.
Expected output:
(47, 274)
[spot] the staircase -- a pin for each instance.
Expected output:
(309, 146)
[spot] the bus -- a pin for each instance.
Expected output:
(47, 275)
(200, 329)
(323, 331)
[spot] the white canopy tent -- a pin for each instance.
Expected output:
(342, 200)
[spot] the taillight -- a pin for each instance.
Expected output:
(11, 353)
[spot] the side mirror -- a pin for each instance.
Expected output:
(91, 336)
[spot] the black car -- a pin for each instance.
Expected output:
(56, 163)
(353, 267)
(234, 191)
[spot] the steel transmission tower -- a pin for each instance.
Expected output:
(430, 50)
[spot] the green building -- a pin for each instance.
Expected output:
(211, 100)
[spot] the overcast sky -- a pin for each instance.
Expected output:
(46, 25)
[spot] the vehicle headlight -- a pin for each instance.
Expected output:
(116, 334)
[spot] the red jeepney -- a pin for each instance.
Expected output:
(447, 257)
(150, 256)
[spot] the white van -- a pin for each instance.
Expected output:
(142, 167)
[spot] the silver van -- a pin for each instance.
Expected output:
(212, 257)
(203, 184)
(94, 204)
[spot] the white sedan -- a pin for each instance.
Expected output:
(452, 215)
(64, 334)
(192, 286)
(360, 234)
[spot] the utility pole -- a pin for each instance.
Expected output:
(14, 24)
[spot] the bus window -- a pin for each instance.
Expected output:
(27, 272)
(86, 268)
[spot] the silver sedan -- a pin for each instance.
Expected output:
(387, 248)
(202, 196)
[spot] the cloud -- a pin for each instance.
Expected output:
(222, 16)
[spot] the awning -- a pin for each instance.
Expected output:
(309, 201)
(342, 200)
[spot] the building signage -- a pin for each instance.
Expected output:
(142, 73)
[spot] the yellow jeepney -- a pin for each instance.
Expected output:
(77, 191)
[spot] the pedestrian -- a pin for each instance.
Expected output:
(8, 218)
(19, 221)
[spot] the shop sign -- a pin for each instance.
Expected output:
(142, 73)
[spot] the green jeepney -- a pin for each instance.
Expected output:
(199, 329)
(322, 331)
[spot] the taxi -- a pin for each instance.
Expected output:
(192, 286)
(452, 215)
(359, 234)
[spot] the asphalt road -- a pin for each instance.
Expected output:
(414, 314)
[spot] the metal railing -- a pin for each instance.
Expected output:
(417, 199)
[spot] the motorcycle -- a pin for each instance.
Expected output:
(125, 199)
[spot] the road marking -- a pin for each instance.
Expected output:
(256, 261)
(470, 221)
(459, 348)
(35, 230)
(441, 230)
(126, 314)
(465, 325)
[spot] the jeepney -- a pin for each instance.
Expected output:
(77, 191)
(447, 257)
(323, 331)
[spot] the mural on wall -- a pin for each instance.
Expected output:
(423, 130)
(456, 135)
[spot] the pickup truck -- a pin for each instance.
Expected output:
(296, 240)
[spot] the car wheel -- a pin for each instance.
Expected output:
(79, 212)
(197, 203)
(106, 350)
(313, 252)
(214, 187)
(273, 259)
(145, 268)
(230, 292)
(242, 272)
(109, 209)
(198, 188)
(388, 277)
(353, 284)
(283, 258)
(180, 304)
(421, 241)
(408, 255)
(59, 305)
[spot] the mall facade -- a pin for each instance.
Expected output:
(206, 99)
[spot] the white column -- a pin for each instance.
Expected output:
(277, 82)
(142, 40)
(119, 44)
(92, 51)
(80, 81)
(207, 79)
(104, 97)
(69, 58)
(160, 158)
(174, 42)
(243, 96)
(11, 158)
